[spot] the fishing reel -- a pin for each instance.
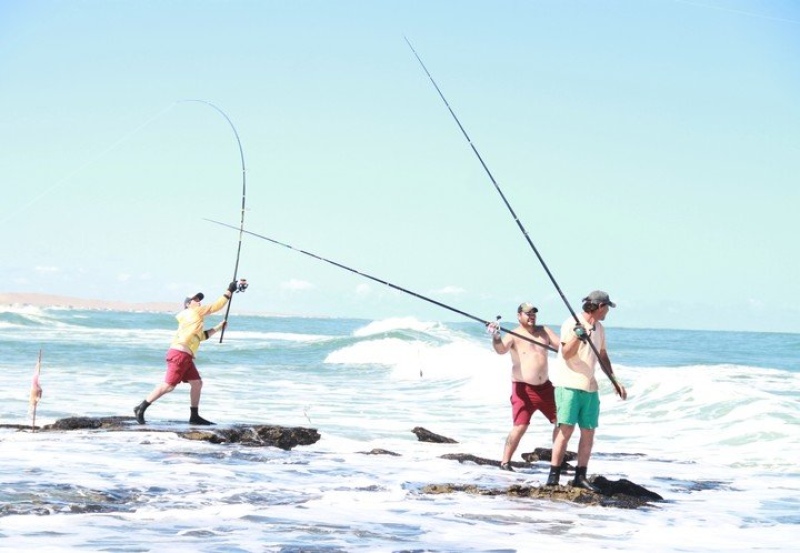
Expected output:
(241, 285)
(493, 328)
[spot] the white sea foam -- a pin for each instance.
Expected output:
(398, 323)
(719, 442)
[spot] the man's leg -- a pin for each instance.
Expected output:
(512, 442)
(196, 386)
(157, 392)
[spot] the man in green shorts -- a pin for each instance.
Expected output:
(577, 396)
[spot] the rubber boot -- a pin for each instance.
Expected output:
(139, 411)
(553, 477)
(581, 481)
(197, 419)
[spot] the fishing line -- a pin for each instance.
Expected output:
(241, 286)
(606, 370)
(389, 284)
(88, 163)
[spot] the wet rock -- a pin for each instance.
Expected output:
(468, 458)
(378, 451)
(546, 454)
(250, 435)
(87, 423)
(622, 493)
(639, 496)
(259, 435)
(424, 435)
(624, 487)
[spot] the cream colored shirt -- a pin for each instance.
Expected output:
(578, 371)
(190, 326)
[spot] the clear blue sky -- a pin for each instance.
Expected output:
(651, 148)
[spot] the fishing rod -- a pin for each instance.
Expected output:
(389, 284)
(240, 286)
(606, 369)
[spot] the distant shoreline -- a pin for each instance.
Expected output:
(50, 300)
(23, 299)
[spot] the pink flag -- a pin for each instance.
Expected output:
(36, 390)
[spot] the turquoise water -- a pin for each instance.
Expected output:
(711, 424)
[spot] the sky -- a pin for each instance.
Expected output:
(649, 148)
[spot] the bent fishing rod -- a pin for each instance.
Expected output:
(389, 284)
(240, 286)
(606, 369)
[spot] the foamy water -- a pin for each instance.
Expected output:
(719, 441)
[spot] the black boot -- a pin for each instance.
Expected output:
(581, 481)
(139, 411)
(553, 477)
(197, 419)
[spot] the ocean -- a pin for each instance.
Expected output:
(711, 425)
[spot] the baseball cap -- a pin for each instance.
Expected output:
(527, 307)
(198, 296)
(600, 298)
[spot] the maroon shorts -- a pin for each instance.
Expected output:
(180, 368)
(526, 399)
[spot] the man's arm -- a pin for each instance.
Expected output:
(213, 330)
(606, 361)
(502, 345)
(552, 337)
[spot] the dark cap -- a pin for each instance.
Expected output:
(198, 296)
(527, 308)
(600, 298)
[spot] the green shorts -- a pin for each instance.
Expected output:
(578, 407)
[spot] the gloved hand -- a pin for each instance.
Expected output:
(232, 287)
(581, 333)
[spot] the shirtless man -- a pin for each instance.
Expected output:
(531, 389)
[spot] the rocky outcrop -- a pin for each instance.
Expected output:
(612, 493)
(424, 435)
(620, 493)
(257, 435)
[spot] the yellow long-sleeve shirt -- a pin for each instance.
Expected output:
(190, 325)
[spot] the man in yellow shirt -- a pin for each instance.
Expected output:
(182, 351)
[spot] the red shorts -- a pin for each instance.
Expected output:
(180, 368)
(526, 399)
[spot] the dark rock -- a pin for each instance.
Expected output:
(468, 458)
(427, 436)
(250, 435)
(378, 451)
(641, 498)
(545, 454)
(259, 435)
(622, 494)
(625, 488)
(87, 423)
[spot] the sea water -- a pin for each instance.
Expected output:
(711, 424)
